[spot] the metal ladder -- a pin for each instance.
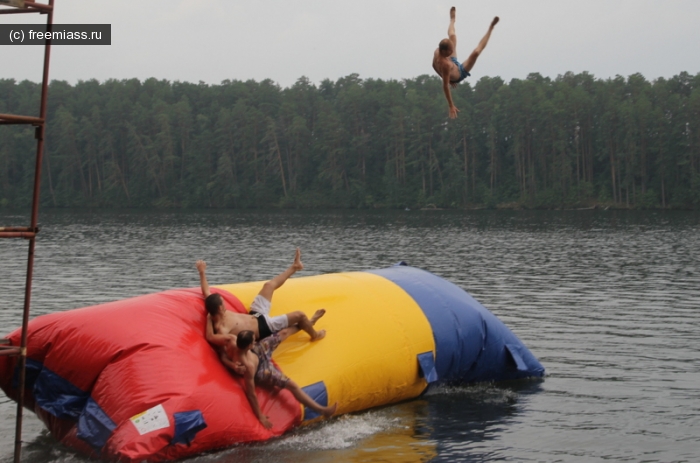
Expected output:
(30, 232)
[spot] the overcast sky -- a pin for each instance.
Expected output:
(214, 40)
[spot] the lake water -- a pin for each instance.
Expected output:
(609, 301)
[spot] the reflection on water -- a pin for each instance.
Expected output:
(609, 302)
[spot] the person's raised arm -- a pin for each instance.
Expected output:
(201, 268)
(448, 93)
(249, 384)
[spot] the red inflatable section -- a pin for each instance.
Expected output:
(136, 380)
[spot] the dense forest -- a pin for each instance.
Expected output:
(570, 142)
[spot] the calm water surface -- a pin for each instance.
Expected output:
(608, 301)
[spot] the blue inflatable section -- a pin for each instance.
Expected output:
(471, 344)
(319, 393)
(187, 425)
(94, 425)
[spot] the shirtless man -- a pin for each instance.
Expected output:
(253, 360)
(447, 65)
(223, 325)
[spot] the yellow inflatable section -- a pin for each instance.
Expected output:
(371, 324)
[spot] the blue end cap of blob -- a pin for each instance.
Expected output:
(470, 342)
(58, 396)
(94, 426)
(427, 367)
(187, 425)
(319, 393)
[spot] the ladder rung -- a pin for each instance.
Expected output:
(15, 119)
(18, 232)
(38, 6)
(9, 351)
(25, 6)
(27, 235)
(15, 3)
(19, 229)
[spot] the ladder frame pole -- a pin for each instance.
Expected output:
(40, 135)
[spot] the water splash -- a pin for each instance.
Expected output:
(341, 433)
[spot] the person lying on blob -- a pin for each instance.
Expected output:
(223, 328)
(253, 360)
(223, 325)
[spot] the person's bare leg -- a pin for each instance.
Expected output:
(318, 314)
(451, 34)
(269, 287)
(469, 63)
(302, 397)
(287, 332)
(300, 319)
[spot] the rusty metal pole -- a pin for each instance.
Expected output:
(40, 134)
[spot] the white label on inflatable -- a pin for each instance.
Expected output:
(152, 419)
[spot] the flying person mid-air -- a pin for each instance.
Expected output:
(447, 65)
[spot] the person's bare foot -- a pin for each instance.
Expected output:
(319, 335)
(329, 411)
(453, 12)
(297, 265)
(495, 21)
(319, 313)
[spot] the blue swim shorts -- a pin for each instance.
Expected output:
(462, 73)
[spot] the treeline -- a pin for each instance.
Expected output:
(575, 141)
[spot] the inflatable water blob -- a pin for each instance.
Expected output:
(136, 380)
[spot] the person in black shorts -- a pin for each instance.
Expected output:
(223, 325)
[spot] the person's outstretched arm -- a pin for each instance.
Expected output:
(249, 384)
(448, 93)
(201, 268)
